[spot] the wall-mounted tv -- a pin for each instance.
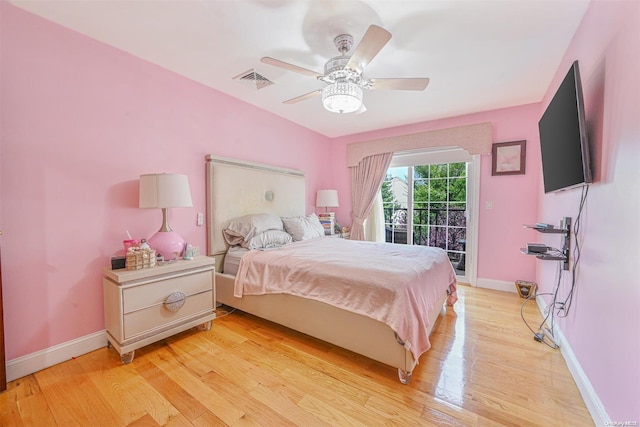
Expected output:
(563, 137)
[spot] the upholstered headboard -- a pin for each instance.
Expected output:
(236, 188)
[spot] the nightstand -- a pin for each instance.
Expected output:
(150, 304)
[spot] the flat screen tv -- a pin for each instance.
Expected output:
(563, 137)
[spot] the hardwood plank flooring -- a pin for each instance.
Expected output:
(484, 369)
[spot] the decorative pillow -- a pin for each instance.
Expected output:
(268, 239)
(245, 228)
(303, 228)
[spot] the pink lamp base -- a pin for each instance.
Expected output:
(169, 244)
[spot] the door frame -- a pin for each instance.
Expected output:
(473, 210)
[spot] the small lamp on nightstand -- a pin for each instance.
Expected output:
(164, 191)
(327, 199)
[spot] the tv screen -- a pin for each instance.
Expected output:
(563, 137)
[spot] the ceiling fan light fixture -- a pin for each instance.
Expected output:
(342, 97)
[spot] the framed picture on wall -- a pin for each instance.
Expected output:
(508, 158)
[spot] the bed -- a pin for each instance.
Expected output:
(236, 189)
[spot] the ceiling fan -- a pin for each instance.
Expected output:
(343, 74)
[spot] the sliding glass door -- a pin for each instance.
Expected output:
(428, 204)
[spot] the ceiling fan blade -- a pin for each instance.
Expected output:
(372, 42)
(400, 84)
(289, 67)
(302, 97)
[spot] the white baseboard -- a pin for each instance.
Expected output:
(591, 399)
(34, 362)
(497, 285)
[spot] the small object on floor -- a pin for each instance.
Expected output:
(526, 289)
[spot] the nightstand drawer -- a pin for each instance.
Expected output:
(151, 294)
(157, 316)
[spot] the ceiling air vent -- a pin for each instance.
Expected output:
(253, 79)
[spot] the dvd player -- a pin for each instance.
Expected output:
(536, 248)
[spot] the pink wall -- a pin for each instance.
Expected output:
(514, 198)
(602, 327)
(80, 122)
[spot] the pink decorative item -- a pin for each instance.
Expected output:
(169, 244)
(129, 243)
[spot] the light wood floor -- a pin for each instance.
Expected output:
(484, 369)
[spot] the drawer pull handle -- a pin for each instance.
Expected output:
(174, 301)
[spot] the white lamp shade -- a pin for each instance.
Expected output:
(327, 199)
(165, 190)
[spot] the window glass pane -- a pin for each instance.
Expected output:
(421, 214)
(395, 199)
(438, 237)
(399, 190)
(395, 235)
(420, 190)
(420, 172)
(455, 236)
(456, 217)
(458, 189)
(421, 235)
(399, 219)
(439, 213)
(438, 190)
(438, 171)
(458, 169)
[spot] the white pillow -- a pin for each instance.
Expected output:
(245, 228)
(303, 228)
(268, 239)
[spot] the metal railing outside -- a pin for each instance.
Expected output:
(444, 228)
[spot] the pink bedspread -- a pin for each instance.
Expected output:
(395, 284)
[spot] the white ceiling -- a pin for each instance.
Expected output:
(479, 54)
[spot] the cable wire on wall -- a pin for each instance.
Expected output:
(564, 312)
(559, 307)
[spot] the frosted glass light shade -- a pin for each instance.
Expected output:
(165, 190)
(342, 97)
(327, 199)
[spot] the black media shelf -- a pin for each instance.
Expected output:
(544, 255)
(548, 230)
(565, 230)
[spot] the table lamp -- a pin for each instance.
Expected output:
(327, 199)
(164, 191)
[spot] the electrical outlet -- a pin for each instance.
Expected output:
(200, 219)
(488, 204)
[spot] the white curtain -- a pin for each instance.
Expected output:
(366, 180)
(374, 224)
